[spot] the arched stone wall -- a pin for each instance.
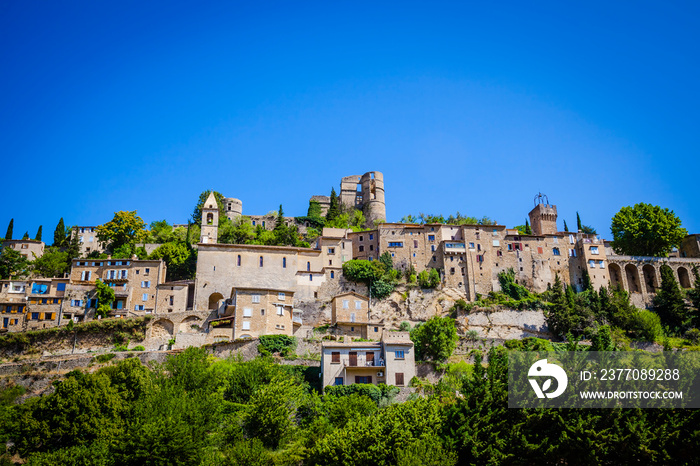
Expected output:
(632, 275)
(214, 300)
(161, 328)
(650, 281)
(616, 278)
(683, 277)
(187, 324)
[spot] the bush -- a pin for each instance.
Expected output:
(429, 278)
(693, 336)
(138, 348)
(648, 325)
(405, 326)
(375, 392)
(282, 344)
(103, 358)
(529, 344)
(436, 339)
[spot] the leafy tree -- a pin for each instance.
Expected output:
(386, 259)
(363, 271)
(105, 297)
(10, 227)
(180, 258)
(12, 264)
(126, 228)
(334, 208)
(646, 230)
(59, 234)
(53, 263)
(524, 229)
(668, 302)
(409, 219)
(160, 232)
(238, 231)
(428, 278)
(38, 233)
(435, 339)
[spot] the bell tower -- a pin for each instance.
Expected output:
(543, 218)
(210, 220)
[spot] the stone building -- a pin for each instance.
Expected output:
(365, 193)
(351, 317)
(13, 304)
(88, 240)
(29, 248)
(690, 246)
(135, 284)
(390, 361)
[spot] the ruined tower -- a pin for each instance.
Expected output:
(210, 220)
(366, 193)
(233, 207)
(543, 218)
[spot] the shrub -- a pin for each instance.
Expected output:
(693, 336)
(103, 358)
(405, 326)
(282, 344)
(376, 392)
(138, 348)
(429, 278)
(648, 325)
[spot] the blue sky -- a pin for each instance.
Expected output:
(467, 106)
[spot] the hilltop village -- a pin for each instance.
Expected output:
(244, 291)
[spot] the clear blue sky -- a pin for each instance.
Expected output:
(466, 106)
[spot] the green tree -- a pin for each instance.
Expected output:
(334, 208)
(668, 302)
(105, 297)
(26, 235)
(524, 229)
(59, 234)
(385, 258)
(646, 230)
(435, 339)
(12, 264)
(180, 258)
(578, 222)
(10, 227)
(53, 263)
(314, 209)
(428, 278)
(566, 227)
(39, 233)
(160, 232)
(126, 228)
(560, 316)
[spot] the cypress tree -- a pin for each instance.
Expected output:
(10, 227)
(39, 233)
(566, 227)
(26, 235)
(578, 222)
(528, 230)
(334, 208)
(59, 234)
(668, 302)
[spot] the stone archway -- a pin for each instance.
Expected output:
(683, 277)
(214, 300)
(162, 328)
(616, 276)
(190, 324)
(632, 275)
(650, 282)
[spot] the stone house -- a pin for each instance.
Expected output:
(351, 317)
(390, 361)
(87, 235)
(29, 248)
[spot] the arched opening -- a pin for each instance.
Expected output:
(650, 278)
(190, 324)
(683, 277)
(615, 276)
(214, 300)
(162, 328)
(210, 218)
(632, 278)
(308, 266)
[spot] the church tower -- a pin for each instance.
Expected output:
(543, 218)
(210, 220)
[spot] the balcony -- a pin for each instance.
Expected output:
(348, 364)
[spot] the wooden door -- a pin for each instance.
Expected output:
(353, 358)
(370, 359)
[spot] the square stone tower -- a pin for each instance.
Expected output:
(210, 220)
(543, 218)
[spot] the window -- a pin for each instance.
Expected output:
(376, 329)
(432, 248)
(247, 312)
(556, 252)
(85, 276)
(245, 325)
(280, 296)
(61, 287)
(399, 354)
(352, 329)
(145, 284)
(601, 265)
(352, 318)
(358, 304)
(539, 250)
(371, 236)
(280, 310)
(399, 378)
(363, 379)
(35, 316)
(144, 297)
(338, 381)
(371, 247)
(335, 357)
(39, 288)
(332, 274)
(238, 261)
(138, 307)
(146, 271)
(171, 300)
(261, 261)
(308, 266)
(76, 302)
(311, 277)
(284, 262)
(253, 222)
(480, 258)
(346, 304)
(594, 249)
(431, 237)
(396, 244)
(452, 271)
(591, 263)
(255, 298)
(362, 248)
(331, 250)
(571, 239)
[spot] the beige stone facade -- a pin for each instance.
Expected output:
(690, 247)
(29, 248)
(89, 242)
(390, 361)
(13, 304)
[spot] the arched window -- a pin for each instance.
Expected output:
(261, 261)
(284, 262)
(238, 260)
(332, 274)
(210, 218)
(308, 266)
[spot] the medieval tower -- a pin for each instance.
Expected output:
(210, 220)
(543, 218)
(366, 193)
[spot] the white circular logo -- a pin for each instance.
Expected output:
(542, 369)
